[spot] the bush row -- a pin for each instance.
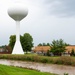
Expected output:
(65, 60)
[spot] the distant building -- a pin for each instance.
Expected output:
(41, 49)
(2, 50)
(5, 50)
(70, 48)
(44, 49)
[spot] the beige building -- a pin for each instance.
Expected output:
(70, 48)
(46, 48)
(41, 49)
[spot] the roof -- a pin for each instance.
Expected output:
(46, 48)
(70, 48)
(42, 48)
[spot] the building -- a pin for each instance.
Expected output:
(41, 49)
(44, 49)
(70, 48)
(5, 50)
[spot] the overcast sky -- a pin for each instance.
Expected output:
(46, 20)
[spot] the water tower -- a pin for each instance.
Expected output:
(17, 12)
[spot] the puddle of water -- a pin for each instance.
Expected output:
(58, 69)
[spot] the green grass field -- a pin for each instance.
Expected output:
(10, 70)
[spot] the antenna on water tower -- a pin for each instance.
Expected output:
(17, 12)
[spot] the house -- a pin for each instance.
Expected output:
(41, 49)
(44, 49)
(2, 50)
(70, 48)
(5, 50)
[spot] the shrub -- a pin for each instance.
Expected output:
(65, 60)
(48, 53)
(65, 73)
(44, 60)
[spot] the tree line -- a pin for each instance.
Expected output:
(49, 44)
(57, 46)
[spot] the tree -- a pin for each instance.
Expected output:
(48, 44)
(67, 44)
(44, 44)
(57, 47)
(26, 41)
(72, 52)
(39, 44)
(48, 52)
(12, 41)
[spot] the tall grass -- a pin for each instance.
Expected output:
(65, 60)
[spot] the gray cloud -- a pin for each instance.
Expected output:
(41, 22)
(62, 8)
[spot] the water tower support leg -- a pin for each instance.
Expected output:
(17, 48)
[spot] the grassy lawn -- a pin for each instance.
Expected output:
(9, 70)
